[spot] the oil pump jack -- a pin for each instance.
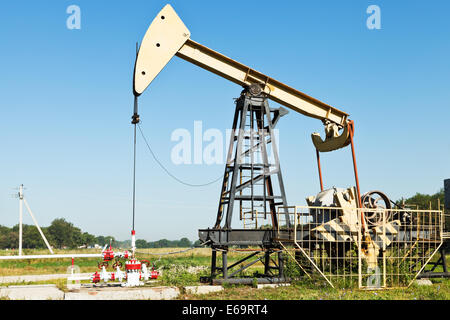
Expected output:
(252, 181)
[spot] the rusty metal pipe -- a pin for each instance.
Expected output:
(320, 170)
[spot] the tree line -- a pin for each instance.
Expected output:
(164, 243)
(423, 201)
(62, 234)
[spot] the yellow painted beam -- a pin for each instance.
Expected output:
(167, 36)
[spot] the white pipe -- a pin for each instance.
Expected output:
(52, 256)
(79, 278)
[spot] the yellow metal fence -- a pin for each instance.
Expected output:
(373, 248)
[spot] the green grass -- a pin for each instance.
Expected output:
(440, 290)
(44, 266)
(60, 283)
(185, 269)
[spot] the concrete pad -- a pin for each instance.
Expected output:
(75, 286)
(272, 285)
(423, 282)
(202, 289)
(35, 292)
(119, 293)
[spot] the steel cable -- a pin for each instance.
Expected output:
(168, 172)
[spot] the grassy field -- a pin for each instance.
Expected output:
(186, 268)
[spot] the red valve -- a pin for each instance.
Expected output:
(96, 277)
(108, 255)
(133, 265)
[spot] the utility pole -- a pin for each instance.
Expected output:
(23, 201)
(20, 217)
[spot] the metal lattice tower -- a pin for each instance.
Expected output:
(250, 174)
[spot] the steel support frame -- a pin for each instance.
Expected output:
(253, 108)
(226, 274)
(440, 262)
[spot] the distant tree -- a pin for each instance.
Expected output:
(4, 230)
(110, 240)
(184, 243)
(31, 238)
(64, 234)
(423, 200)
(140, 243)
(88, 239)
(163, 243)
(102, 240)
(197, 243)
(123, 244)
(9, 239)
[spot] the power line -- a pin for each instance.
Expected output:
(168, 172)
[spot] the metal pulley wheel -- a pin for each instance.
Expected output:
(376, 200)
(255, 89)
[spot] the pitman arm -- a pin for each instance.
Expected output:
(167, 36)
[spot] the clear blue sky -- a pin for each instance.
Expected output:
(66, 103)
